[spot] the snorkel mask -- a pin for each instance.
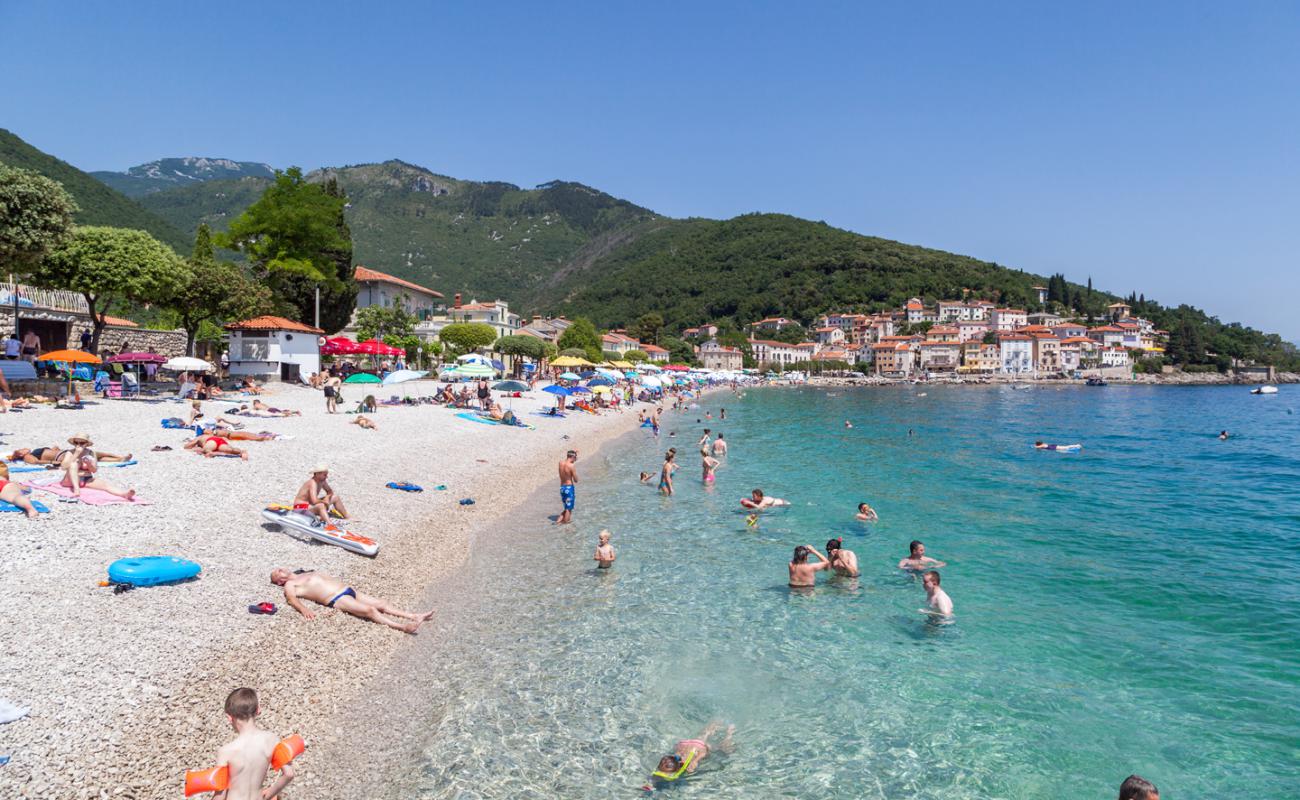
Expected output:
(682, 766)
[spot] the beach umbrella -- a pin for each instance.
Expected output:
(474, 370)
(580, 390)
(403, 375)
(363, 377)
(651, 381)
(556, 389)
(136, 358)
(187, 364)
(70, 356)
(569, 376)
(600, 389)
(630, 375)
(609, 373)
(338, 346)
(600, 381)
(510, 386)
(571, 361)
(474, 357)
(647, 368)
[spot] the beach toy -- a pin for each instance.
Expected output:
(307, 524)
(404, 486)
(287, 750)
(213, 779)
(262, 608)
(151, 570)
(468, 501)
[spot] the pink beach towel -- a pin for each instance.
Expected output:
(91, 497)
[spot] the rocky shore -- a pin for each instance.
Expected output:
(126, 690)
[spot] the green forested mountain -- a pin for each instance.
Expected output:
(482, 239)
(99, 204)
(168, 173)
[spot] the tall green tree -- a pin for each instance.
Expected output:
(582, 334)
(467, 336)
(648, 326)
(35, 218)
(378, 321)
(212, 290)
(108, 265)
(679, 351)
(298, 241)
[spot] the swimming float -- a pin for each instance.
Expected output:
(217, 779)
(287, 517)
(151, 570)
(404, 486)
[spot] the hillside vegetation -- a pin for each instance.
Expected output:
(99, 204)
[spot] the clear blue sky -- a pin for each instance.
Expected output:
(1150, 145)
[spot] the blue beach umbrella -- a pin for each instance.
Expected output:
(403, 375)
(580, 390)
(560, 390)
(600, 381)
(569, 376)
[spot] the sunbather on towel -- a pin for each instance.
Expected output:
(80, 467)
(36, 455)
(258, 405)
(211, 446)
(13, 493)
(245, 436)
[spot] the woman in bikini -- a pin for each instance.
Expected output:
(211, 446)
(36, 455)
(666, 472)
(258, 405)
(80, 467)
(12, 493)
(710, 465)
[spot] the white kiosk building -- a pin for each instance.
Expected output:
(273, 348)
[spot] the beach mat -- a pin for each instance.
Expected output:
(40, 468)
(91, 497)
(6, 506)
(472, 417)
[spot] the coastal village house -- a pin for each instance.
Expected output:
(702, 332)
(273, 348)
(1017, 351)
(548, 329)
(376, 288)
(720, 357)
(1005, 320)
(59, 317)
(773, 324)
(657, 354)
(769, 353)
(618, 342)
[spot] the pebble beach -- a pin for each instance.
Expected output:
(125, 690)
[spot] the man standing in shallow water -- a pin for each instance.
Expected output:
(568, 479)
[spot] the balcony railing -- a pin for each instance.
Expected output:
(49, 299)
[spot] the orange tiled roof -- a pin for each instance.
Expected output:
(270, 323)
(367, 274)
(119, 322)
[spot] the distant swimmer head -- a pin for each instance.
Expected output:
(800, 555)
(917, 548)
(862, 508)
(758, 495)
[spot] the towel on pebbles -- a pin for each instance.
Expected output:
(91, 497)
(10, 712)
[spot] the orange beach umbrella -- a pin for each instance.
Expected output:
(78, 356)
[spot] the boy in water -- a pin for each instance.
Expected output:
(940, 602)
(605, 556)
(918, 560)
(249, 755)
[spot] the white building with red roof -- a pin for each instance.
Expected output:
(375, 288)
(657, 354)
(273, 348)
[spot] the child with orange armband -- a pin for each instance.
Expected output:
(243, 763)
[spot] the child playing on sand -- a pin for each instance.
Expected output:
(605, 556)
(249, 755)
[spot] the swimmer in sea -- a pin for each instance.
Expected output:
(940, 602)
(848, 424)
(722, 414)
(666, 472)
(761, 502)
(844, 562)
(709, 465)
(1223, 436)
(719, 446)
(605, 555)
(803, 574)
(687, 756)
(918, 560)
(645, 477)
(867, 514)
(704, 440)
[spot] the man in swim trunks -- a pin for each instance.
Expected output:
(866, 513)
(568, 489)
(316, 497)
(719, 447)
(939, 601)
(687, 756)
(248, 756)
(803, 574)
(762, 502)
(329, 591)
(918, 560)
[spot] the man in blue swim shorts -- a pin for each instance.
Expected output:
(331, 592)
(568, 479)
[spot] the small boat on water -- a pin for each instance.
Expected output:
(1096, 382)
(1264, 390)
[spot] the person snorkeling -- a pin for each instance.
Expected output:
(687, 756)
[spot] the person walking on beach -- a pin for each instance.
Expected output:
(318, 498)
(666, 472)
(709, 465)
(918, 560)
(248, 755)
(803, 574)
(719, 447)
(331, 389)
(568, 488)
(939, 601)
(687, 756)
(1136, 787)
(331, 592)
(843, 562)
(605, 555)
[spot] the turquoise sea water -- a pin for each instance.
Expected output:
(1132, 608)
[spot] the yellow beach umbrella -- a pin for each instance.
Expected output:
(599, 389)
(571, 361)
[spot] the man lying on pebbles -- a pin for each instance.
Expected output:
(329, 591)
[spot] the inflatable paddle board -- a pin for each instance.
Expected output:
(286, 517)
(151, 570)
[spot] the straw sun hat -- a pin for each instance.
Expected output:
(80, 438)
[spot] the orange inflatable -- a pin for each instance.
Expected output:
(213, 779)
(287, 750)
